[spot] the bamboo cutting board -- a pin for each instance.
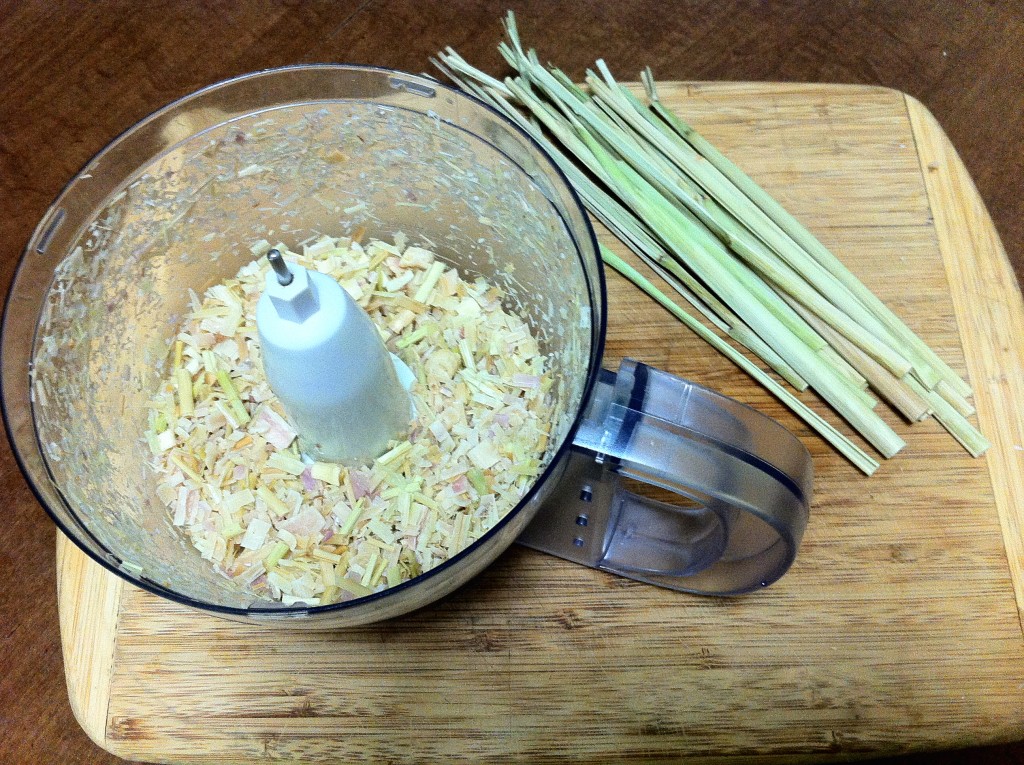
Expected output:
(898, 627)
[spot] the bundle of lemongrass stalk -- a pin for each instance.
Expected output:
(729, 249)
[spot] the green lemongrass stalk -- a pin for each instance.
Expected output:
(694, 293)
(732, 234)
(683, 236)
(589, 118)
(894, 390)
(885, 441)
(954, 422)
(755, 237)
(834, 288)
(864, 329)
(627, 227)
(843, 367)
(743, 335)
(452, 59)
(954, 399)
(575, 137)
(565, 134)
(634, 232)
(725, 271)
(732, 281)
(895, 326)
(632, 151)
(841, 443)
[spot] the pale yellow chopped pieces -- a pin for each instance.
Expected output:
(314, 533)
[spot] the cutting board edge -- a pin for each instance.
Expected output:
(995, 361)
(88, 605)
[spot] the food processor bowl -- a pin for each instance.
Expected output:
(173, 205)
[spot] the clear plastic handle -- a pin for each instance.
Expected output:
(742, 484)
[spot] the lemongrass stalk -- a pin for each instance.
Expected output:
(745, 210)
(670, 220)
(681, 229)
(805, 239)
(685, 237)
(780, 273)
(453, 58)
(834, 359)
(894, 390)
(958, 426)
(845, 446)
(593, 121)
(843, 367)
(601, 169)
(954, 399)
(739, 332)
(779, 258)
(631, 230)
(649, 204)
(863, 328)
(810, 244)
(700, 298)
(587, 126)
(620, 176)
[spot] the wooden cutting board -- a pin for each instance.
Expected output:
(898, 627)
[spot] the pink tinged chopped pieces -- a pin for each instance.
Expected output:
(460, 485)
(305, 524)
(274, 428)
(308, 481)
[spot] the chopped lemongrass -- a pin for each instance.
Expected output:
(477, 480)
(467, 355)
(483, 455)
(326, 471)
(185, 401)
(236, 483)
(234, 401)
(186, 468)
(353, 588)
(287, 463)
(350, 523)
(275, 505)
(274, 556)
(255, 534)
(165, 441)
(236, 501)
(327, 556)
(394, 454)
(429, 281)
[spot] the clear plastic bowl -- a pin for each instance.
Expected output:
(173, 204)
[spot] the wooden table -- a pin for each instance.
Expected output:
(56, 116)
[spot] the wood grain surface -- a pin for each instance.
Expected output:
(897, 629)
(76, 74)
